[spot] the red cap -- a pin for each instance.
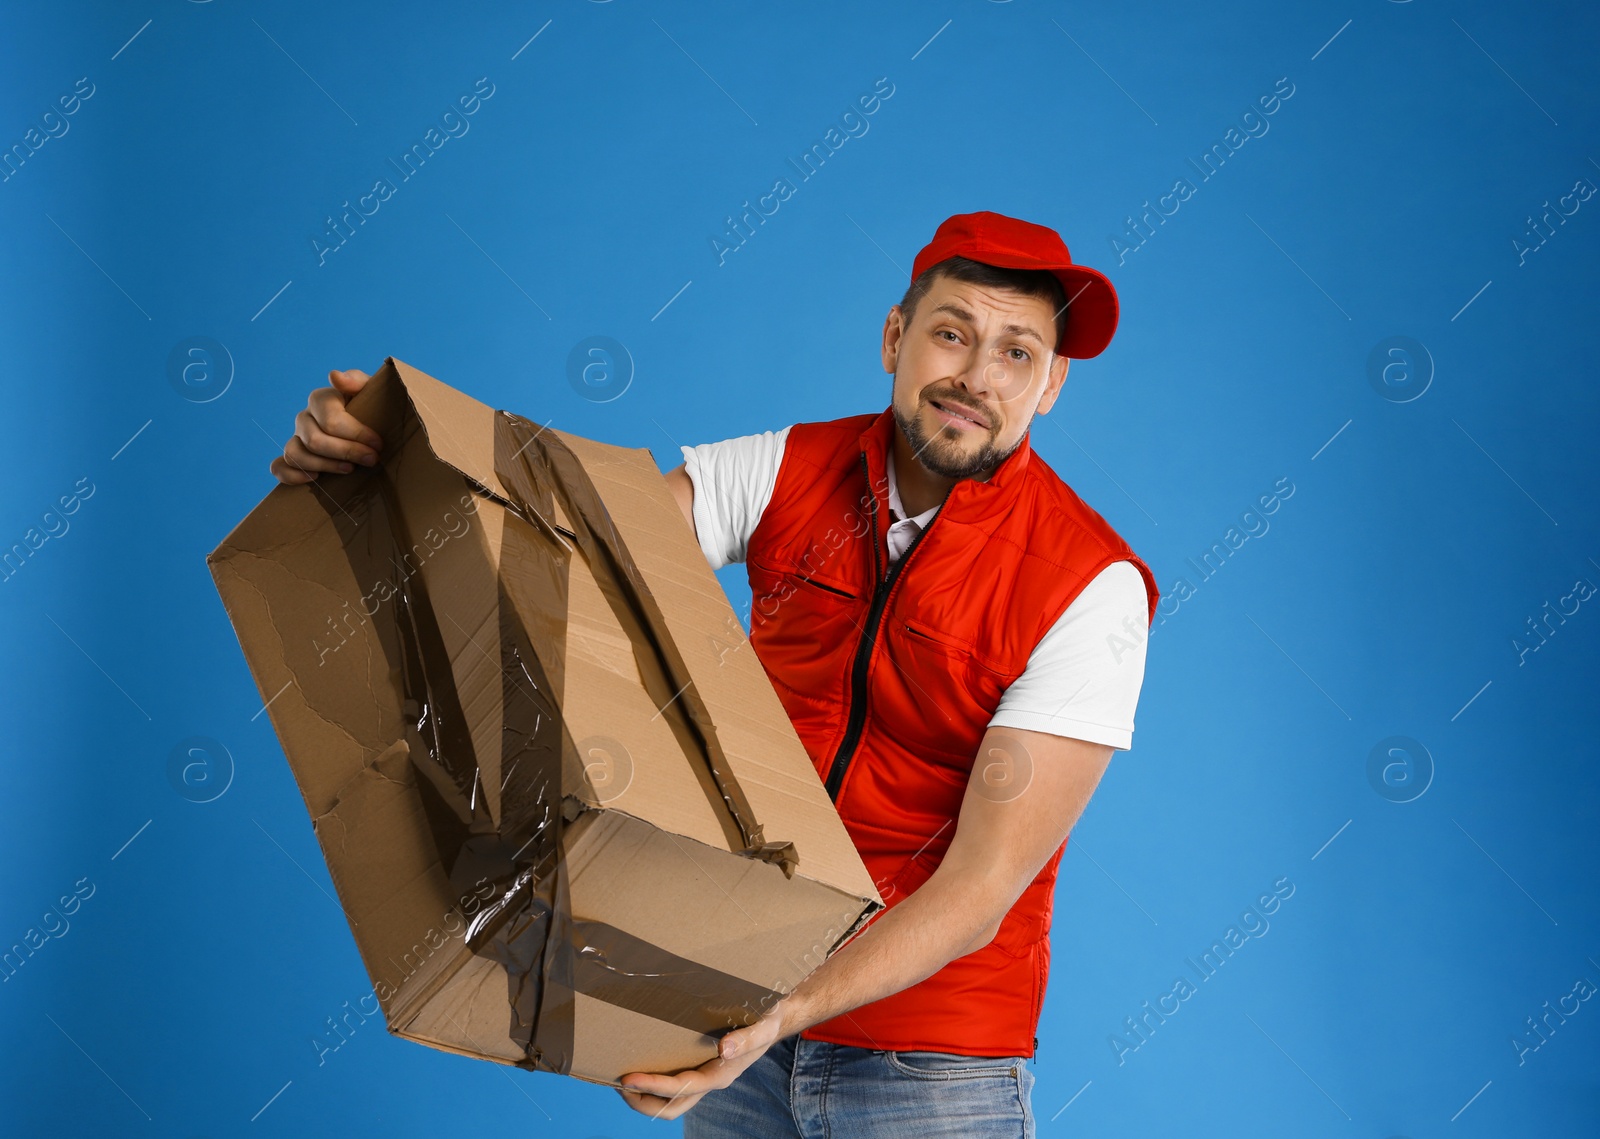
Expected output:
(1010, 243)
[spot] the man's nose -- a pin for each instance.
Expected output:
(983, 374)
(997, 373)
(991, 376)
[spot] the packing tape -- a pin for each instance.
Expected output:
(548, 954)
(536, 469)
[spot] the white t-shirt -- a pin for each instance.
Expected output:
(1083, 677)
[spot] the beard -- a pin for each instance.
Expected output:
(941, 452)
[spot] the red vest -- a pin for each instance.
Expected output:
(891, 674)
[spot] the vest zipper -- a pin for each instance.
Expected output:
(869, 637)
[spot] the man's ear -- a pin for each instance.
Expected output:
(1052, 388)
(893, 330)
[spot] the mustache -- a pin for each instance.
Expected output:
(978, 413)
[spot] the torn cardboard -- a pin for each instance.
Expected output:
(568, 819)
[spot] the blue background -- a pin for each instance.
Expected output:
(1383, 601)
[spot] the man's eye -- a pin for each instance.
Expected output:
(945, 332)
(1021, 354)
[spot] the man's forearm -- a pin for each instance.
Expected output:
(908, 943)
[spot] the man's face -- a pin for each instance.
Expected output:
(970, 371)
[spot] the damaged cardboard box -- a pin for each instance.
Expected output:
(569, 822)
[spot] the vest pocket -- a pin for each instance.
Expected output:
(927, 637)
(949, 693)
(1027, 924)
(773, 588)
(924, 637)
(791, 613)
(833, 589)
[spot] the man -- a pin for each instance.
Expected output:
(959, 642)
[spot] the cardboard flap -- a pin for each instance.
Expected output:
(460, 429)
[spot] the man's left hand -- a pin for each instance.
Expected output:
(667, 1097)
(1026, 791)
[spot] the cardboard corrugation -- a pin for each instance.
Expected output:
(568, 820)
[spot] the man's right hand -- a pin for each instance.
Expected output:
(326, 436)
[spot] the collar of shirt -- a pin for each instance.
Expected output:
(901, 528)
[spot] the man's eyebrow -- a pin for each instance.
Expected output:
(1015, 329)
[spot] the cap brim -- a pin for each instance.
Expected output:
(1092, 312)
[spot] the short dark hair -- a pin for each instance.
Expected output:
(1029, 282)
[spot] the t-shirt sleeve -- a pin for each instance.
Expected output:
(1083, 677)
(733, 482)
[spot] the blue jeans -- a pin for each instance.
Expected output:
(810, 1089)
